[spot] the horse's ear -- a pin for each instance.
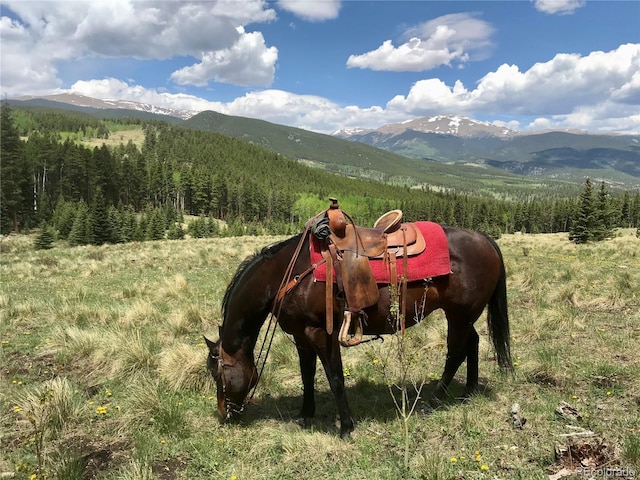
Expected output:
(213, 346)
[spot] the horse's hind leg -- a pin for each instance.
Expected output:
(472, 361)
(462, 343)
(308, 359)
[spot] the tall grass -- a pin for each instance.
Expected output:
(102, 371)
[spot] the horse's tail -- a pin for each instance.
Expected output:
(498, 316)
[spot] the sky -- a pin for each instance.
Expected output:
(325, 65)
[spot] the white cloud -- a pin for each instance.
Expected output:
(48, 32)
(24, 69)
(559, 7)
(312, 10)
(599, 91)
(248, 62)
(112, 88)
(451, 38)
(565, 90)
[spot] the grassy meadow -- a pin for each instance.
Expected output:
(102, 373)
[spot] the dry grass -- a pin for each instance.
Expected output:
(135, 135)
(116, 332)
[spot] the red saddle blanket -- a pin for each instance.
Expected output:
(434, 261)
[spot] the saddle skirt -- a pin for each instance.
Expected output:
(432, 262)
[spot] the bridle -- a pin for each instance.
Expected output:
(231, 408)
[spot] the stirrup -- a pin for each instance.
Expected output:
(343, 336)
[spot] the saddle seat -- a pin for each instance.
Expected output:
(375, 243)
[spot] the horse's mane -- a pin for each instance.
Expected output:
(267, 252)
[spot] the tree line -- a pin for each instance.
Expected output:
(47, 179)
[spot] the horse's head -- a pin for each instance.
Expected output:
(235, 375)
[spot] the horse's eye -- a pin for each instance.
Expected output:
(212, 364)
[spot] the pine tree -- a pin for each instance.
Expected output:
(175, 232)
(584, 224)
(63, 217)
(155, 227)
(44, 240)
(605, 218)
(115, 225)
(81, 231)
(100, 225)
(14, 187)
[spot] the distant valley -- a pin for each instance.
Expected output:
(446, 150)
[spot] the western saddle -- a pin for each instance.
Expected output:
(348, 248)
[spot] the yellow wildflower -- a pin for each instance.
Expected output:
(453, 459)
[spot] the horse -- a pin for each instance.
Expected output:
(477, 280)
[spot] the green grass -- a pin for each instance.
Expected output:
(102, 371)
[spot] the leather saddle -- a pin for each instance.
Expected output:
(349, 249)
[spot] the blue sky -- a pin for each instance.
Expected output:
(325, 65)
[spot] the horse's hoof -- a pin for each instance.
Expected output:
(436, 402)
(346, 436)
(303, 422)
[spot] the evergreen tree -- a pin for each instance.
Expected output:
(175, 232)
(44, 240)
(128, 223)
(63, 217)
(156, 225)
(81, 231)
(635, 210)
(197, 228)
(100, 225)
(625, 211)
(115, 225)
(14, 187)
(585, 221)
(605, 217)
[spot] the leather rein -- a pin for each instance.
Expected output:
(288, 283)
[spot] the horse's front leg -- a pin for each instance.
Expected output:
(308, 359)
(331, 358)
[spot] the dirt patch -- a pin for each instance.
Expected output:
(98, 456)
(169, 469)
(586, 457)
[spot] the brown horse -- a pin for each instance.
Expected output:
(477, 281)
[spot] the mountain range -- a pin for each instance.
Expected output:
(444, 145)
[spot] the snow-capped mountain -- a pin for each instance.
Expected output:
(83, 101)
(443, 124)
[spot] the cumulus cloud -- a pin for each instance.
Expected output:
(248, 62)
(563, 86)
(459, 38)
(558, 7)
(599, 91)
(312, 11)
(115, 89)
(47, 32)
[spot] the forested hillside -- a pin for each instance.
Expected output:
(50, 175)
